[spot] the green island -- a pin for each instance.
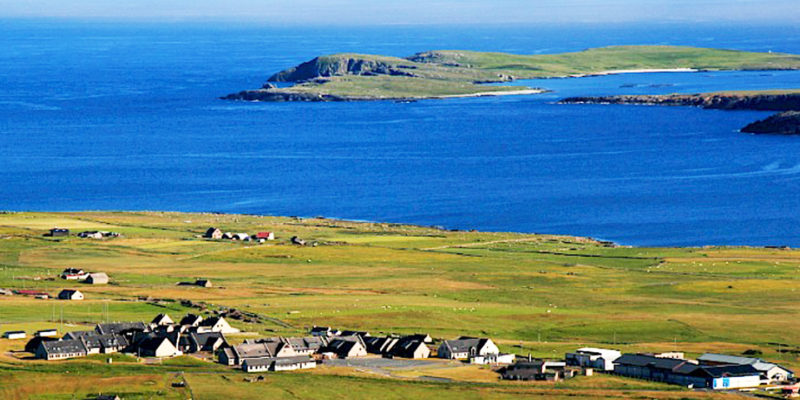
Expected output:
(542, 295)
(457, 73)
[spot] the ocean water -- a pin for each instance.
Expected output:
(125, 116)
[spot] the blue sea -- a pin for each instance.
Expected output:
(126, 116)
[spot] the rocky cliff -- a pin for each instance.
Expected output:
(340, 65)
(720, 101)
(785, 123)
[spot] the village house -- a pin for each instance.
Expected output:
(591, 357)
(97, 278)
(156, 346)
(208, 341)
(109, 343)
(306, 345)
(408, 347)
(121, 328)
(70, 294)
(466, 347)
(265, 235)
(14, 335)
(324, 331)
(162, 320)
(74, 274)
(770, 372)
(537, 370)
(380, 345)
(59, 232)
(61, 349)
(265, 348)
(213, 233)
(346, 347)
(215, 324)
(35, 341)
(363, 334)
(278, 364)
(191, 320)
(493, 359)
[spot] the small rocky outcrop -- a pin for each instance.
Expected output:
(785, 123)
(273, 95)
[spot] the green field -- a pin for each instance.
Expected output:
(442, 73)
(535, 294)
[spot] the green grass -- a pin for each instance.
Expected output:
(541, 294)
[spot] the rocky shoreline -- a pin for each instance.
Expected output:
(785, 123)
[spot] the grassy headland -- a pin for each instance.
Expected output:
(443, 73)
(538, 294)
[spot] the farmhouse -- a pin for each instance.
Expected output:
(98, 278)
(70, 294)
(591, 357)
(466, 347)
(61, 349)
(213, 233)
(15, 335)
(770, 373)
(74, 274)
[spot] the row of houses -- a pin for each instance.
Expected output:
(710, 370)
(160, 338)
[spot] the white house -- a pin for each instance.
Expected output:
(466, 347)
(70, 294)
(216, 324)
(493, 359)
(591, 357)
(14, 335)
(278, 364)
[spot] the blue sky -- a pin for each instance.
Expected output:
(413, 11)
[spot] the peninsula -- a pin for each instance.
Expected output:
(457, 73)
(787, 122)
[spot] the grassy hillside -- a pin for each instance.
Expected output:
(532, 293)
(455, 72)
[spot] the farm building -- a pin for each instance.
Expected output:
(241, 236)
(33, 293)
(120, 328)
(213, 233)
(265, 235)
(686, 373)
(47, 333)
(59, 232)
(500, 358)
(770, 372)
(91, 235)
(249, 351)
(324, 331)
(466, 347)
(537, 370)
(15, 335)
(202, 283)
(98, 278)
(74, 274)
(600, 359)
(34, 343)
(61, 349)
(191, 320)
(306, 345)
(70, 294)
